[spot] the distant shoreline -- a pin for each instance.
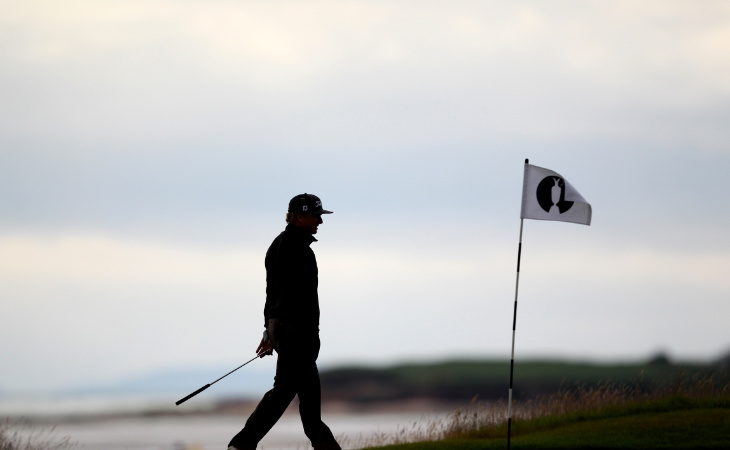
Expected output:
(239, 407)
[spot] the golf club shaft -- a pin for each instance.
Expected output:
(255, 357)
(211, 384)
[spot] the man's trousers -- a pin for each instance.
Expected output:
(296, 374)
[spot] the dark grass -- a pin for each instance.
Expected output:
(699, 428)
(21, 435)
(706, 428)
(688, 412)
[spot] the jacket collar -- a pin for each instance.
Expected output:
(301, 233)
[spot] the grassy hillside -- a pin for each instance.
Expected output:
(692, 411)
(684, 429)
(487, 380)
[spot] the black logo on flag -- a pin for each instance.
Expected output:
(551, 191)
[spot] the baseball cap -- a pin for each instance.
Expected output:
(307, 203)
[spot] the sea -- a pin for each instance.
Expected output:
(154, 423)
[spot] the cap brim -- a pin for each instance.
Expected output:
(319, 213)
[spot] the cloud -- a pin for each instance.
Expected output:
(130, 304)
(638, 265)
(103, 260)
(148, 147)
(328, 71)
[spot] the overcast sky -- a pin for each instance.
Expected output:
(148, 150)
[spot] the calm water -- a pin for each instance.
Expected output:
(214, 432)
(192, 432)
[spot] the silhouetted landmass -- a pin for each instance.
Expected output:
(452, 382)
(489, 380)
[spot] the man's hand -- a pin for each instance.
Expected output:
(265, 348)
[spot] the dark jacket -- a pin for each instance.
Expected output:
(291, 279)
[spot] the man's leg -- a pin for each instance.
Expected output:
(271, 407)
(309, 391)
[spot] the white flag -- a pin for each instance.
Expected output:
(546, 195)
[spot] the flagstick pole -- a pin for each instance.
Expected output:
(514, 328)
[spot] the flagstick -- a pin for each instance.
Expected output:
(514, 328)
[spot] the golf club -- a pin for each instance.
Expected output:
(211, 384)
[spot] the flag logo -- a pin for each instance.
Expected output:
(547, 195)
(551, 192)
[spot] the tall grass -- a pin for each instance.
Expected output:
(424, 429)
(571, 403)
(21, 435)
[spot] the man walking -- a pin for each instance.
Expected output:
(291, 319)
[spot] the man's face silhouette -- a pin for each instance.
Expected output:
(309, 222)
